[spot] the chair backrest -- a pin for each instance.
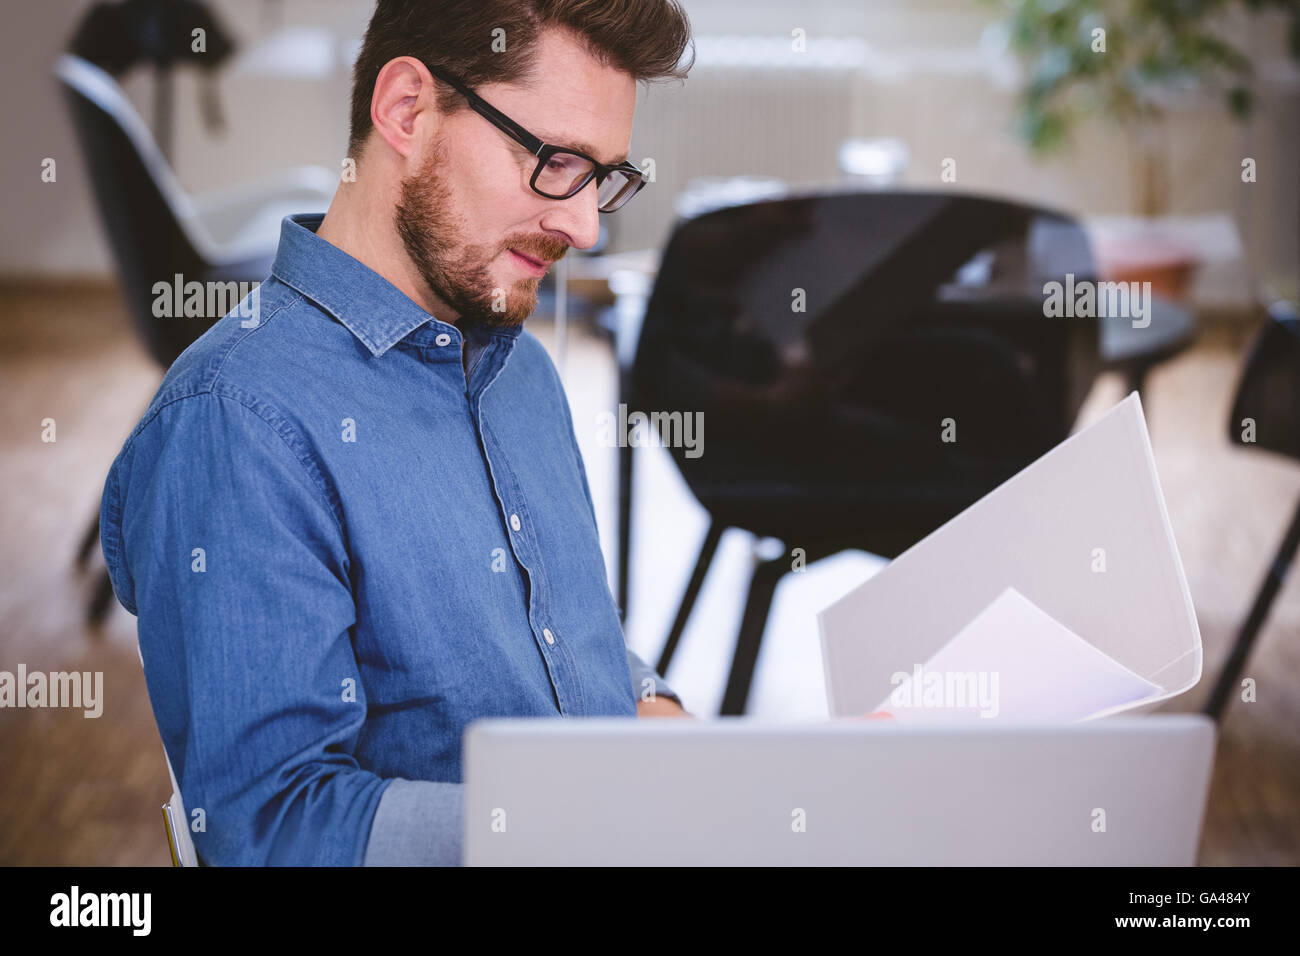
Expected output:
(824, 337)
(177, 825)
(152, 226)
(175, 820)
(1266, 412)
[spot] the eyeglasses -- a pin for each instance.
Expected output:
(561, 173)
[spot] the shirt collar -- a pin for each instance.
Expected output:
(371, 307)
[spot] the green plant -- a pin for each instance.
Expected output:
(1122, 59)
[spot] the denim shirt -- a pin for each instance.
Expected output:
(342, 546)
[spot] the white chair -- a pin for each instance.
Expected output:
(226, 226)
(177, 824)
(176, 821)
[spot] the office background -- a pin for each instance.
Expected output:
(882, 96)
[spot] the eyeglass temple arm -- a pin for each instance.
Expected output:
(525, 138)
(530, 142)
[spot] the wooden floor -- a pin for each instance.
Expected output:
(87, 791)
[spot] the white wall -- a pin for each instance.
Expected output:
(924, 80)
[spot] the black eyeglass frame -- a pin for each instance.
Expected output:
(543, 151)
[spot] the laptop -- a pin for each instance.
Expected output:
(1082, 539)
(1124, 791)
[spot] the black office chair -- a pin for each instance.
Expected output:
(1267, 410)
(157, 231)
(824, 427)
(1134, 352)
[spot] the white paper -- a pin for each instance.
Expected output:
(1082, 532)
(1014, 662)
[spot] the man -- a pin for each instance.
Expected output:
(359, 520)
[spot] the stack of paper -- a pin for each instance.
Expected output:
(1062, 585)
(1014, 662)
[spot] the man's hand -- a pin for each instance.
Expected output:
(660, 707)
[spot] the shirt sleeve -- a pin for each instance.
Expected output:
(418, 823)
(233, 557)
(641, 672)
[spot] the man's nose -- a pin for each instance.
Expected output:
(577, 217)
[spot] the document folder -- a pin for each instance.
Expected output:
(1082, 534)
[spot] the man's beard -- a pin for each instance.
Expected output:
(429, 231)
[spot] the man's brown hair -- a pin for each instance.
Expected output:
(644, 38)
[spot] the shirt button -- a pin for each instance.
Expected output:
(442, 339)
(546, 633)
(514, 522)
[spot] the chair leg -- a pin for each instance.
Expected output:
(762, 587)
(688, 599)
(1135, 381)
(624, 526)
(1226, 684)
(88, 541)
(100, 603)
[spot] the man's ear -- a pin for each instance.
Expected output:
(404, 89)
